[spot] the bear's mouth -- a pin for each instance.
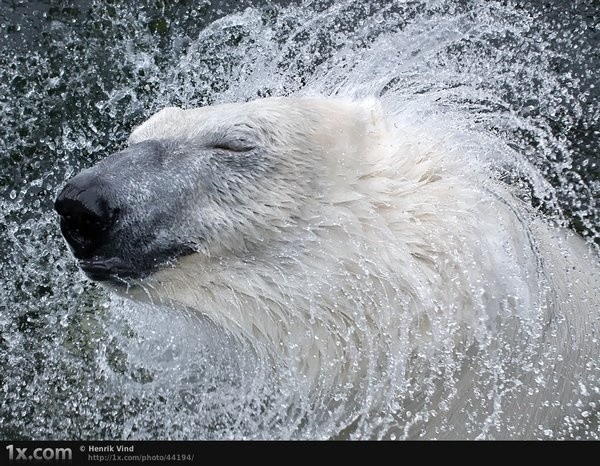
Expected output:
(105, 269)
(118, 270)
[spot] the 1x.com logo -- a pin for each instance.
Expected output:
(39, 454)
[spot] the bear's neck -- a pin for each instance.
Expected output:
(389, 262)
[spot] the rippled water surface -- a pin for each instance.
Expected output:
(520, 78)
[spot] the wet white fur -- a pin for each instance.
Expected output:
(375, 249)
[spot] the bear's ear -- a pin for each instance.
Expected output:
(164, 124)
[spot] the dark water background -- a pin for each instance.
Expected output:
(70, 95)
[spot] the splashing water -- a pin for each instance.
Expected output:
(501, 80)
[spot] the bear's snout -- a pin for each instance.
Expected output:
(116, 214)
(86, 214)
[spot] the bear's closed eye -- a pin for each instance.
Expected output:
(233, 146)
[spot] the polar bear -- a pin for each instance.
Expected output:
(403, 282)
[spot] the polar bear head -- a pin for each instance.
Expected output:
(215, 182)
(357, 257)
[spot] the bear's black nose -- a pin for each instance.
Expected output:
(86, 215)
